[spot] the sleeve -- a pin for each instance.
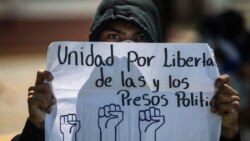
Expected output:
(236, 138)
(32, 133)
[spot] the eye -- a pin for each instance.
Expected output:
(141, 38)
(110, 36)
(114, 37)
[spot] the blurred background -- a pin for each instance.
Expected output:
(27, 27)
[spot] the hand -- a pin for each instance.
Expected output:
(226, 103)
(40, 99)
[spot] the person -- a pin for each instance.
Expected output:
(116, 21)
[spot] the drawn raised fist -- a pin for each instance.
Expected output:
(150, 120)
(69, 126)
(109, 117)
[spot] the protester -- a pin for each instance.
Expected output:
(117, 21)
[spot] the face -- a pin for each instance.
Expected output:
(121, 31)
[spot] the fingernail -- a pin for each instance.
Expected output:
(213, 100)
(50, 77)
(213, 110)
(49, 110)
(53, 101)
(217, 84)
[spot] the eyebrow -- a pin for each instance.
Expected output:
(115, 30)
(120, 32)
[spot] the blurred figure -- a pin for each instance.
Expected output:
(181, 19)
(230, 39)
(226, 33)
(233, 40)
(244, 77)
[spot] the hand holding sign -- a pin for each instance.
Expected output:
(226, 102)
(40, 98)
(176, 86)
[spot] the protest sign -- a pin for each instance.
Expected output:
(132, 91)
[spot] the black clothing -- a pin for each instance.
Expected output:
(236, 138)
(142, 13)
(30, 133)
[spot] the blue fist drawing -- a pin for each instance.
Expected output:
(69, 126)
(109, 117)
(150, 120)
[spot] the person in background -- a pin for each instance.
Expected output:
(233, 40)
(243, 85)
(117, 21)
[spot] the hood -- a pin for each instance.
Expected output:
(143, 13)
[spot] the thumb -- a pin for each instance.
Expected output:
(116, 113)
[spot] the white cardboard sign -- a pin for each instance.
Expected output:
(132, 91)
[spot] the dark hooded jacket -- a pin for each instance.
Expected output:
(142, 13)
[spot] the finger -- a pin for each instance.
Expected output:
(31, 88)
(224, 93)
(31, 91)
(70, 117)
(45, 95)
(157, 112)
(227, 89)
(157, 119)
(40, 77)
(44, 87)
(43, 75)
(44, 104)
(220, 108)
(53, 99)
(224, 109)
(106, 110)
(74, 117)
(223, 98)
(62, 119)
(116, 114)
(152, 111)
(142, 115)
(47, 98)
(223, 79)
(112, 107)
(36, 103)
(147, 115)
(117, 108)
(66, 119)
(49, 110)
(101, 112)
